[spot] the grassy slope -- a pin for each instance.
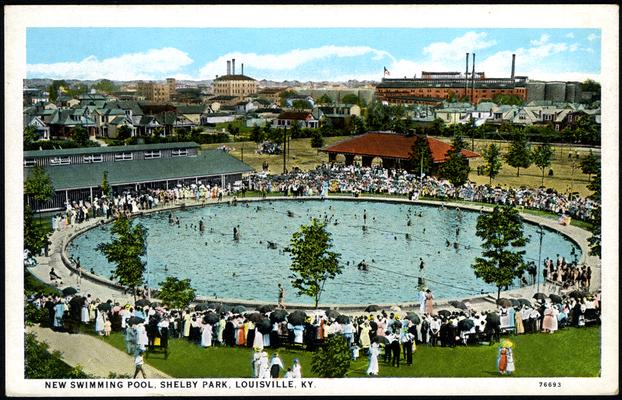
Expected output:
(569, 352)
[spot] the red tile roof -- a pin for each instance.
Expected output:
(296, 115)
(391, 145)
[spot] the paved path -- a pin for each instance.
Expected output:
(93, 355)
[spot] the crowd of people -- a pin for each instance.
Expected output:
(147, 327)
(357, 180)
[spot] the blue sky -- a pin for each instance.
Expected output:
(307, 54)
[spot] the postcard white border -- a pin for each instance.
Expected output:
(604, 17)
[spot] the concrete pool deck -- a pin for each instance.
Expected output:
(102, 288)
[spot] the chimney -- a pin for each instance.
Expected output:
(228, 67)
(466, 76)
(242, 69)
(233, 66)
(473, 81)
(513, 65)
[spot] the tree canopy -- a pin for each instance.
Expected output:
(542, 157)
(590, 165)
(35, 237)
(492, 159)
(519, 153)
(38, 185)
(595, 239)
(501, 232)
(176, 293)
(456, 168)
(125, 251)
(421, 156)
(332, 360)
(312, 260)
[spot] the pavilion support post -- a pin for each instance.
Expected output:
(349, 159)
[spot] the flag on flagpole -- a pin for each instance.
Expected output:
(386, 72)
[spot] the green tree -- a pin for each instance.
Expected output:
(492, 159)
(327, 129)
(30, 135)
(176, 293)
(38, 186)
(54, 89)
(358, 125)
(105, 86)
(105, 186)
(332, 360)
(421, 156)
(508, 99)
(233, 130)
(325, 99)
(456, 168)
(595, 187)
(301, 104)
(257, 135)
(295, 131)
(542, 157)
(125, 132)
(317, 140)
(35, 237)
(437, 128)
(519, 153)
(350, 98)
(313, 263)
(39, 363)
(590, 165)
(501, 232)
(125, 251)
(80, 135)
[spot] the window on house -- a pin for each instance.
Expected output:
(179, 152)
(123, 156)
(93, 158)
(29, 163)
(60, 161)
(152, 154)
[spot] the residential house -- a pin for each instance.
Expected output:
(304, 119)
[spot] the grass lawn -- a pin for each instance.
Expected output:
(569, 352)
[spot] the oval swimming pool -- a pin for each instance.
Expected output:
(396, 236)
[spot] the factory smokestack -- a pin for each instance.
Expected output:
(242, 69)
(228, 67)
(473, 81)
(513, 65)
(233, 66)
(466, 76)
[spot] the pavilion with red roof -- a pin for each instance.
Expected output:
(394, 149)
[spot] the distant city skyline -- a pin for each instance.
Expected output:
(304, 54)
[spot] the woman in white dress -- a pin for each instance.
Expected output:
(99, 323)
(206, 335)
(374, 351)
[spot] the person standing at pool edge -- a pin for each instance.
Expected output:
(281, 296)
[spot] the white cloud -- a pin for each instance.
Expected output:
(456, 49)
(539, 42)
(592, 36)
(529, 60)
(286, 61)
(569, 35)
(151, 64)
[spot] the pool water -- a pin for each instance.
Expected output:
(444, 238)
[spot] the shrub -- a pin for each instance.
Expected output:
(333, 359)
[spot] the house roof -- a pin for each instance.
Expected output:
(208, 163)
(234, 78)
(108, 149)
(391, 145)
(295, 115)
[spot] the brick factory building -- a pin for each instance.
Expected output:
(435, 87)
